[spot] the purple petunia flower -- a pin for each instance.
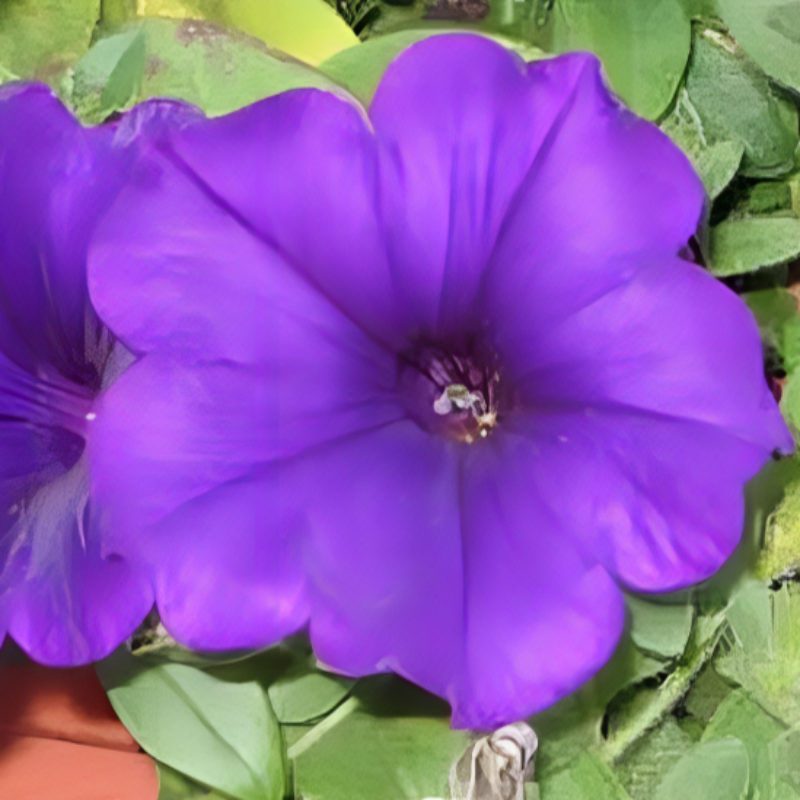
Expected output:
(434, 379)
(61, 598)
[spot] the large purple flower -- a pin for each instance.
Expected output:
(435, 379)
(61, 598)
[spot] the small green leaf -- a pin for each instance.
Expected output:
(360, 69)
(660, 629)
(173, 785)
(743, 245)
(42, 39)
(389, 741)
(769, 30)
(740, 717)
(780, 556)
(734, 100)
(222, 734)
(706, 694)
(306, 29)
(784, 754)
(643, 44)
(202, 63)
(717, 770)
(773, 309)
(717, 162)
(299, 692)
(587, 779)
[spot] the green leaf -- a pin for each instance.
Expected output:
(769, 30)
(389, 741)
(658, 628)
(306, 29)
(644, 766)
(174, 785)
(734, 100)
(643, 44)
(763, 651)
(299, 692)
(196, 61)
(222, 734)
(587, 779)
(716, 163)
(42, 39)
(773, 309)
(740, 717)
(715, 770)
(784, 754)
(706, 694)
(360, 69)
(743, 245)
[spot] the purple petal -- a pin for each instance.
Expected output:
(540, 618)
(384, 554)
(300, 170)
(659, 501)
(66, 602)
(672, 340)
(459, 121)
(608, 193)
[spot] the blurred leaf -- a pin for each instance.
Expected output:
(784, 754)
(744, 719)
(299, 692)
(634, 714)
(360, 69)
(706, 694)
(773, 309)
(643, 44)
(780, 556)
(41, 39)
(769, 30)
(643, 767)
(658, 628)
(715, 770)
(734, 100)
(587, 779)
(196, 61)
(173, 785)
(389, 741)
(763, 651)
(222, 734)
(306, 29)
(743, 245)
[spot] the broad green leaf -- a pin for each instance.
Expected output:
(769, 30)
(743, 245)
(717, 770)
(360, 69)
(389, 741)
(173, 785)
(763, 651)
(644, 766)
(643, 44)
(658, 628)
(192, 60)
(219, 733)
(734, 100)
(42, 39)
(740, 717)
(299, 692)
(587, 779)
(306, 29)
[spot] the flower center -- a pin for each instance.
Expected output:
(457, 393)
